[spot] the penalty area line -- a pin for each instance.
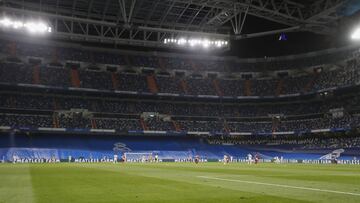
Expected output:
(282, 186)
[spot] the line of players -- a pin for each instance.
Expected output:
(227, 159)
(143, 159)
(150, 158)
(249, 159)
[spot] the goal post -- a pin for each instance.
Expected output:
(139, 156)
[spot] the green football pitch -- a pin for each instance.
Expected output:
(178, 182)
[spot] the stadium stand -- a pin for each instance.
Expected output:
(202, 100)
(137, 84)
(169, 84)
(61, 77)
(179, 101)
(118, 123)
(30, 121)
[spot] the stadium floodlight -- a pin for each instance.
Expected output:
(6, 22)
(18, 25)
(33, 27)
(206, 43)
(356, 34)
(36, 27)
(196, 42)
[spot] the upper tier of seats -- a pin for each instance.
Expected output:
(344, 71)
(64, 52)
(149, 83)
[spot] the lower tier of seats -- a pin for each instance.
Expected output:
(59, 146)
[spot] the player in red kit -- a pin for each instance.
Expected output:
(257, 158)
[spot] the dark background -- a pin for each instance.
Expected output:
(297, 42)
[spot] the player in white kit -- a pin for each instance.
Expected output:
(249, 158)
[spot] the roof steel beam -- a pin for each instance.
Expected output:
(153, 20)
(80, 29)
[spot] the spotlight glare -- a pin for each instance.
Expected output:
(36, 27)
(6, 22)
(182, 41)
(196, 42)
(18, 24)
(32, 27)
(206, 43)
(356, 34)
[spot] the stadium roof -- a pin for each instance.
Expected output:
(148, 22)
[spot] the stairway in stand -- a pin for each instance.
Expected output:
(36, 74)
(115, 81)
(279, 87)
(226, 126)
(184, 86)
(247, 89)
(75, 80)
(55, 121)
(93, 124)
(218, 90)
(176, 126)
(143, 124)
(151, 81)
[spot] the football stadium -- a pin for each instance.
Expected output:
(180, 101)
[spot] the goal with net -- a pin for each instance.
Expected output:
(139, 156)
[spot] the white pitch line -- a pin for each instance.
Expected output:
(283, 186)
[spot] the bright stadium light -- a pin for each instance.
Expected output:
(196, 42)
(182, 41)
(6, 22)
(36, 27)
(33, 27)
(206, 43)
(18, 25)
(356, 34)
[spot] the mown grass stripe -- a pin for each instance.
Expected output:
(279, 185)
